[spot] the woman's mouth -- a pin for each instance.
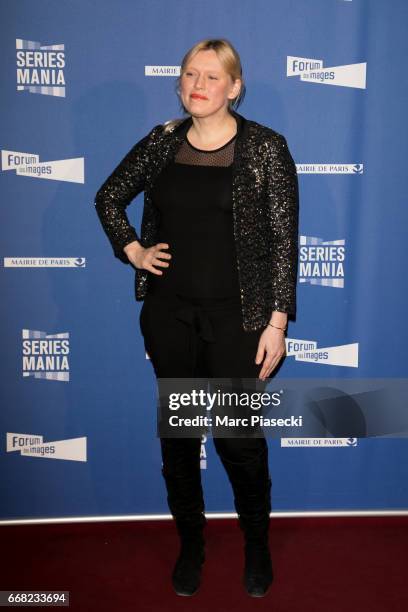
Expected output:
(198, 97)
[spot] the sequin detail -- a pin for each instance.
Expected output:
(265, 211)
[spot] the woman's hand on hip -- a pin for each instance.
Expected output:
(146, 258)
(271, 349)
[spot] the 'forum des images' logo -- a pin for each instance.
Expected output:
(31, 445)
(40, 68)
(312, 71)
(345, 355)
(46, 355)
(28, 164)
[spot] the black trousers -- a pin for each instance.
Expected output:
(205, 338)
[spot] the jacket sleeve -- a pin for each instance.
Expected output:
(120, 188)
(284, 208)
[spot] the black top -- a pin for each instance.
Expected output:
(194, 197)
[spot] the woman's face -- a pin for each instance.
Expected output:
(205, 87)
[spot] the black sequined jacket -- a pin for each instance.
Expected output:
(265, 212)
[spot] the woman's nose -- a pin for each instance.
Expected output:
(199, 81)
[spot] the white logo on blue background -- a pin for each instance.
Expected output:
(312, 71)
(40, 68)
(162, 71)
(28, 164)
(30, 445)
(321, 262)
(306, 350)
(318, 442)
(46, 355)
(330, 168)
(44, 262)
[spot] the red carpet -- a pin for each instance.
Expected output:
(321, 564)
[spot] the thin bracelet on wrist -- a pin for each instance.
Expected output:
(282, 328)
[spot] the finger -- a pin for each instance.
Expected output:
(162, 255)
(270, 365)
(158, 251)
(265, 368)
(152, 261)
(260, 353)
(266, 364)
(266, 374)
(150, 268)
(159, 262)
(269, 357)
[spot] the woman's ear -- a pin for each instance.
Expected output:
(236, 88)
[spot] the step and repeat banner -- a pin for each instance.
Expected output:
(82, 82)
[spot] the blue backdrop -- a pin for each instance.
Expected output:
(78, 394)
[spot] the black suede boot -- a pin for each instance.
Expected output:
(186, 577)
(252, 496)
(258, 573)
(182, 475)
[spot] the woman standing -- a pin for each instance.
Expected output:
(216, 266)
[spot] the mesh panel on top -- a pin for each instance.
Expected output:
(223, 156)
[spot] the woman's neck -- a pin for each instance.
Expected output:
(212, 131)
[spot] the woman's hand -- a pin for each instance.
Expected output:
(146, 258)
(272, 344)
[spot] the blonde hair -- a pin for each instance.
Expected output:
(230, 61)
